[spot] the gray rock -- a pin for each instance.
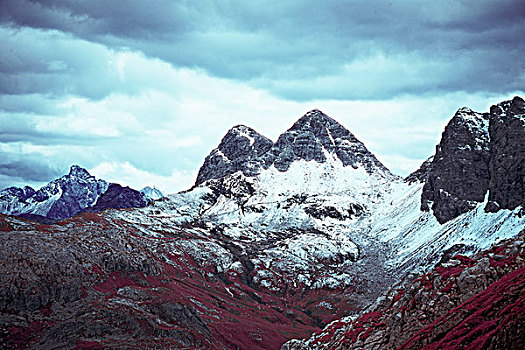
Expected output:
(239, 150)
(312, 135)
(459, 177)
(420, 175)
(477, 153)
(507, 158)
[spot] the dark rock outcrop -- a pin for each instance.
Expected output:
(314, 135)
(119, 197)
(478, 153)
(507, 158)
(239, 150)
(459, 176)
(420, 175)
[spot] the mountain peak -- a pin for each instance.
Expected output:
(239, 150)
(79, 172)
(151, 192)
(315, 135)
(516, 106)
(313, 118)
(465, 110)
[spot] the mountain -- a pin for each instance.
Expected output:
(119, 197)
(152, 193)
(239, 150)
(308, 235)
(59, 199)
(68, 196)
(11, 197)
(316, 136)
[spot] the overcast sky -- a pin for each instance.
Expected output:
(138, 92)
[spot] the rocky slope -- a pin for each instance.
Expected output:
(472, 302)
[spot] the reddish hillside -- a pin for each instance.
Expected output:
(466, 303)
(97, 282)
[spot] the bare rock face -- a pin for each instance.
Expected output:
(478, 153)
(420, 175)
(316, 134)
(459, 176)
(507, 158)
(239, 150)
(119, 197)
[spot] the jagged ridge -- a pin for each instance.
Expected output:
(314, 136)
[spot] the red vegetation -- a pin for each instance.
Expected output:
(431, 312)
(481, 318)
(4, 226)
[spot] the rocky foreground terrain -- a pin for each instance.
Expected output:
(475, 302)
(277, 241)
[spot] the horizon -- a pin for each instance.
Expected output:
(140, 94)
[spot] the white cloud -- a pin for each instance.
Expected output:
(127, 175)
(152, 123)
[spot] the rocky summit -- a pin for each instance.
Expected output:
(239, 150)
(59, 199)
(479, 154)
(279, 241)
(314, 136)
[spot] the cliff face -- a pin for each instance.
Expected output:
(459, 175)
(507, 159)
(239, 150)
(478, 153)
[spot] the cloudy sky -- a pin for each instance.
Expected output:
(139, 92)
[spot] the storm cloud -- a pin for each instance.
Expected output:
(300, 49)
(144, 89)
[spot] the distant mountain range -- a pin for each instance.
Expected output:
(276, 241)
(74, 193)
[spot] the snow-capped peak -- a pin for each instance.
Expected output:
(59, 199)
(312, 135)
(239, 150)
